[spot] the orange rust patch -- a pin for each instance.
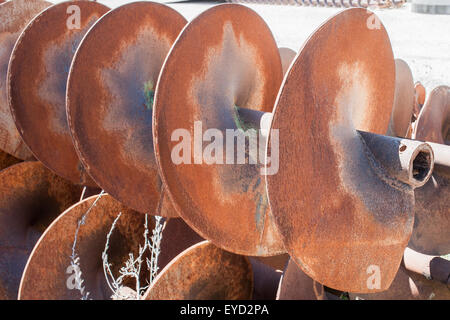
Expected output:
(337, 216)
(117, 75)
(204, 272)
(236, 64)
(14, 16)
(31, 196)
(37, 85)
(47, 274)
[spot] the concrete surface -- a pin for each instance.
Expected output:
(422, 40)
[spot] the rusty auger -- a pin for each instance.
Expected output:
(360, 217)
(150, 35)
(50, 274)
(343, 197)
(237, 65)
(423, 273)
(57, 280)
(42, 91)
(204, 272)
(116, 75)
(14, 17)
(354, 205)
(31, 197)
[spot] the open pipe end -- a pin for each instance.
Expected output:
(421, 164)
(408, 161)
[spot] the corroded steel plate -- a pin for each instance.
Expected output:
(225, 58)
(432, 209)
(204, 272)
(115, 70)
(277, 262)
(420, 94)
(296, 285)
(265, 280)
(433, 123)
(31, 196)
(409, 286)
(37, 77)
(51, 256)
(176, 237)
(340, 218)
(404, 100)
(431, 212)
(431, 233)
(7, 160)
(48, 274)
(14, 16)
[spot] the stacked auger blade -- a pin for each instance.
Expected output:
(323, 194)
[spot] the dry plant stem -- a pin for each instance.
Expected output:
(133, 266)
(75, 259)
(156, 247)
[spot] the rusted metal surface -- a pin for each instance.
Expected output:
(7, 160)
(432, 218)
(265, 280)
(419, 100)
(277, 262)
(408, 285)
(420, 94)
(31, 196)
(204, 272)
(433, 123)
(296, 285)
(46, 274)
(14, 16)
(52, 264)
(339, 215)
(236, 65)
(404, 100)
(115, 70)
(405, 161)
(177, 237)
(37, 77)
(432, 209)
(287, 55)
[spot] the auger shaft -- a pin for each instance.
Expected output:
(441, 157)
(409, 161)
(433, 267)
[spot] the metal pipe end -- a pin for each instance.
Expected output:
(421, 163)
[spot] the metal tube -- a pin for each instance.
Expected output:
(432, 267)
(441, 157)
(406, 160)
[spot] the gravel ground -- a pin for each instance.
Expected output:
(422, 40)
